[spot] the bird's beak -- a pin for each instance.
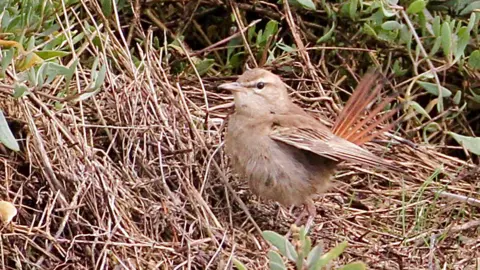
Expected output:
(233, 86)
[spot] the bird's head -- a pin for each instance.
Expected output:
(258, 91)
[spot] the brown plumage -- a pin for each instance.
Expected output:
(286, 154)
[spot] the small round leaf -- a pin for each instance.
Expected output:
(474, 59)
(391, 25)
(416, 7)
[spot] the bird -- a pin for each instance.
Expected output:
(284, 152)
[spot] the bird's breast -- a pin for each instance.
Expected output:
(274, 170)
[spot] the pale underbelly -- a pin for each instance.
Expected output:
(279, 172)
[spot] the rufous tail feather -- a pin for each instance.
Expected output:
(352, 124)
(346, 118)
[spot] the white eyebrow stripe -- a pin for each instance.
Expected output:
(251, 84)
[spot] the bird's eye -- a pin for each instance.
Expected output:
(260, 85)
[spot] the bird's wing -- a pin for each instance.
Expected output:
(307, 134)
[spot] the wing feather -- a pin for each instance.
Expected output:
(307, 134)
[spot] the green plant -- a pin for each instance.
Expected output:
(34, 48)
(434, 42)
(6, 136)
(301, 253)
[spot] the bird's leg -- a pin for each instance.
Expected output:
(309, 208)
(300, 216)
(280, 213)
(312, 212)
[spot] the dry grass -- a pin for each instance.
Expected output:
(135, 177)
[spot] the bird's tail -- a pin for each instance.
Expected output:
(359, 125)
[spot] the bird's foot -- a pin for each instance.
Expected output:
(308, 210)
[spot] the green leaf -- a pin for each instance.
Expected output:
(432, 88)
(328, 9)
(431, 127)
(49, 31)
(367, 29)
(422, 21)
(107, 7)
(271, 57)
(327, 35)
(236, 60)
(41, 74)
(78, 38)
(29, 61)
(474, 59)
(354, 266)
(416, 7)
(436, 26)
(284, 246)
(462, 42)
(436, 46)
(475, 97)
(71, 72)
(472, 6)
(472, 144)
(275, 261)
(260, 38)
(54, 69)
(6, 136)
(263, 35)
(284, 47)
(390, 36)
(307, 4)
(376, 18)
(20, 90)
(387, 12)
(307, 245)
(47, 54)
(331, 255)
(85, 95)
(30, 44)
(94, 68)
(427, 75)
(405, 35)
(352, 9)
(14, 23)
(239, 265)
(52, 44)
(304, 248)
(300, 260)
(251, 33)
(314, 256)
(31, 78)
(452, 24)
(457, 27)
(457, 98)
(440, 104)
(7, 59)
(204, 66)
(446, 39)
(270, 29)
(419, 109)
(397, 68)
(391, 25)
(471, 21)
(100, 78)
(459, 111)
(232, 44)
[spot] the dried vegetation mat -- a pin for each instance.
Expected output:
(135, 177)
